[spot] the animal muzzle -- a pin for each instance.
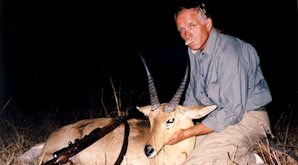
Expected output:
(149, 151)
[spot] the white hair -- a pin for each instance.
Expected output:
(200, 10)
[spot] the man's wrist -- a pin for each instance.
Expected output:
(199, 129)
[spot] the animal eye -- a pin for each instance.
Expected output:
(170, 121)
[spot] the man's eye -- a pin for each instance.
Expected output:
(182, 30)
(191, 26)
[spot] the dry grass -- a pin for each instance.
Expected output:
(14, 140)
(283, 148)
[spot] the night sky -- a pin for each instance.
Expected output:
(55, 53)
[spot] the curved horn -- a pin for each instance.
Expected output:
(152, 91)
(176, 98)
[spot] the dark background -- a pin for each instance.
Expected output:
(60, 56)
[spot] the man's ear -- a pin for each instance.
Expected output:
(209, 24)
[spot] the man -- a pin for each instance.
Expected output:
(224, 71)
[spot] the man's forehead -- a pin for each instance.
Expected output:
(187, 13)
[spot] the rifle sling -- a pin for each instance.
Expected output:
(125, 144)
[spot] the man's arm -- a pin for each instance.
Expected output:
(199, 129)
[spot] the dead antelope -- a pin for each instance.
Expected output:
(146, 141)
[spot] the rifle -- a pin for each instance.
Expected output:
(62, 156)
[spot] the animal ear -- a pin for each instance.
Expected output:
(145, 110)
(197, 112)
(31, 154)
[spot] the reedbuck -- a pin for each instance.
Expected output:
(146, 141)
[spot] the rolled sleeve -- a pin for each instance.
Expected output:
(221, 118)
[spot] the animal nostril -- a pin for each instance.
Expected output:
(148, 150)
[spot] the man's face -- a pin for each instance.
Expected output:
(193, 29)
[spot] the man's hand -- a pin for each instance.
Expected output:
(199, 129)
(177, 137)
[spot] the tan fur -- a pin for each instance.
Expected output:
(156, 133)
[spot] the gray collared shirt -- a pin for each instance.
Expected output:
(226, 73)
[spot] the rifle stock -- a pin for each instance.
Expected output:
(62, 156)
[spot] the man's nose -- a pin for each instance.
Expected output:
(187, 35)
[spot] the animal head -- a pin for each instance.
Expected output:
(165, 119)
